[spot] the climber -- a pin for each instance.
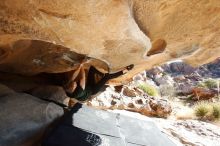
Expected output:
(91, 87)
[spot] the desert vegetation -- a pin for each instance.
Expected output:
(149, 89)
(208, 83)
(207, 111)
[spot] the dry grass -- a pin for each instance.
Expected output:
(207, 111)
(149, 89)
(185, 114)
(208, 83)
(216, 110)
(167, 90)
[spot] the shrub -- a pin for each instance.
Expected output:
(202, 109)
(207, 111)
(190, 97)
(208, 83)
(216, 111)
(149, 89)
(167, 90)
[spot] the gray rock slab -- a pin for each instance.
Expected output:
(98, 121)
(23, 118)
(119, 130)
(142, 132)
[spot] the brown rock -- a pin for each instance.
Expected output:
(139, 101)
(118, 88)
(155, 108)
(129, 92)
(131, 105)
(161, 108)
(113, 102)
(146, 110)
(202, 93)
(139, 91)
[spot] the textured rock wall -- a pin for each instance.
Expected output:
(190, 28)
(99, 29)
(115, 32)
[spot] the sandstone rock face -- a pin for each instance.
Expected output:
(189, 28)
(43, 36)
(104, 30)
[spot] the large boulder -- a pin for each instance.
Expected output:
(24, 118)
(43, 36)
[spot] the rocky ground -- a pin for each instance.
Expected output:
(176, 83)
(190, 132)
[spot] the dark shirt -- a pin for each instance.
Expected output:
(91, 87)
(81, 94)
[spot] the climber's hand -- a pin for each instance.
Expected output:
(130, 67)
(127, 68)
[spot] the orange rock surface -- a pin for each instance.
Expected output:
(44, 36)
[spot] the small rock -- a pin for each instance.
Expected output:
(161, 107)
(118, 88)
(128, 92)
(139, 101)
(113, 102)
(139, 91)
(131, 105)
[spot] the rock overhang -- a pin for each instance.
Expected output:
(115, 33)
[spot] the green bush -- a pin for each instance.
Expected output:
(190, 97)
(202, 109)
(207, 111)
(208, 83)
(216, 111)
(149, 89)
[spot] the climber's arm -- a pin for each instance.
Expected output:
(101, 83)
